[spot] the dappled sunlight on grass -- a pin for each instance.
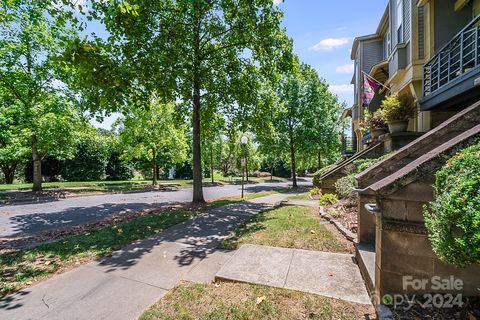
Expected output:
(287, 226)
(225, 300)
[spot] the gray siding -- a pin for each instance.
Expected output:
(448, 22)
(385, 45)
(400, 59)
(407, 20)
(357, 68)
(372, 54)
(393, 22)
(421, 32)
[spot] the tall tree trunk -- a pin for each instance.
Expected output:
(196, 122)
(196, 146)
(37, 166)
(211, 163)
(9, 173)
(293, 160)
(154, 167)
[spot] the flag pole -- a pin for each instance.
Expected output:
(370, 77)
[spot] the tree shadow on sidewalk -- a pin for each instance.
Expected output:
(199, 236)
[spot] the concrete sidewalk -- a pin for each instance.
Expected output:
(328, 274)
(124, 285)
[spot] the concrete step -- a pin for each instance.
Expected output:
(333, 275)
(365, 254)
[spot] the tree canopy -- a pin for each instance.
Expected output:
(155, 134)
(195, 51)
(188, 77)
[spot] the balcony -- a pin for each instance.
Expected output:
(453, 70)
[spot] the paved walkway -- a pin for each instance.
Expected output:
(124, 285)
(307, 203)
(328, 274)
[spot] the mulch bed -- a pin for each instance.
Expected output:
(470, 311)
(344, 211)
(18, 242)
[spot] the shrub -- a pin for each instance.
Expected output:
(319, 173)
(315, 192)
(397, 108)
(328, 199)
(363, 164)
(344, 187)
(453, 218)
(372, 121)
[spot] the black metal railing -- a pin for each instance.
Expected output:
(456, 58)
(348, 146)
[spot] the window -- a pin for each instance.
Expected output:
(399, 15)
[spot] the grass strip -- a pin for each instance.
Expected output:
(287, 227)
(240, 301)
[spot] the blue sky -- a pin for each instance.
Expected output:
(323, 32)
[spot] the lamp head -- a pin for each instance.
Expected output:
(244, 140)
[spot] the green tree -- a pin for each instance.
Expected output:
(13, 147)
(198, 51)
(321, 121)
(91, 156)
(54, 126)
(155, 134)
(118, 169)
(305, 125)
(31, 39)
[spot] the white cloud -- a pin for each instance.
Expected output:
(341, 88)
(345, 69)
(330, 44)
(277, 2)
(341, 28)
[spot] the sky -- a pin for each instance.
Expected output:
(323, 33)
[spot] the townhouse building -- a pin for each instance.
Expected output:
(430, 50)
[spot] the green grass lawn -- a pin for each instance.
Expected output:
(24, 267)
(240, 301)
(248, 196)
(74, 184)
(288, 227)
(128, 184)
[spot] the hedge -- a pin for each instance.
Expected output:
(453, 218)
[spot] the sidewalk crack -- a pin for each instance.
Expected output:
(288, 271)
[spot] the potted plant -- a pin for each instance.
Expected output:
(397, 111)
(374, 124)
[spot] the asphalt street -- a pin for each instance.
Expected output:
(31, 219)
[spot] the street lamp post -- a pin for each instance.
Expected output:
(244, 141)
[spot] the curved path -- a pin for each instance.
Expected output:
(31, 219)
